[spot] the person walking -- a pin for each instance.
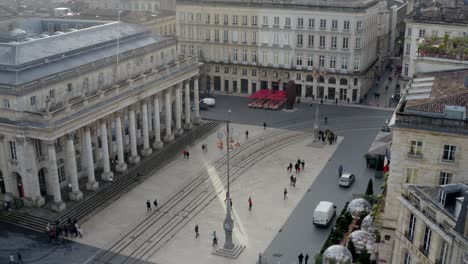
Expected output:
(290, 167)
(20, 258)
(294, 182)
(148, 205)
(12, 259)
(196, 231)
(155, 203)
(291, 178)
(250, 203)
(203, 147)
(215, 239)
(340, 170)
(285, 194)
(326, 120)
(188, 154)
(306, 259)
(264, 125)
(302, 164)
(230, 202)
(300, 257)
(246, 134)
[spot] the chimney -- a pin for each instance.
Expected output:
(461, 220)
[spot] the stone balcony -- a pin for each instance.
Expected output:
(440, 124)
(63, 109)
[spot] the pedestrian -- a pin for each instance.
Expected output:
(294, 182)
(246, 134)
(12, 259)
(285, 194)
(188, 154)
(203, 147)
(79, 232)
(230, 202)
(155, 203)
(250, 203)
(148, 205)
(20, 258)
(196, 231)
(290, 167)
(306, 259)
(295, 167)
(302, 164)
(340, 170)
(300, 257)
(291, 181)
(326, 120)
(215, 239)
(185, 154)
(264, 125)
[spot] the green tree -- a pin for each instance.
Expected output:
(352, 248)
(370, 188)
(364, 257)
(318, 259)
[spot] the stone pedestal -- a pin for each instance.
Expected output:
(146, 152)
(169, 138)
(107, 176)
(58, 206)
(188, 126)
(121, 167)
(134, 159)
(196, 120)
(158, 144)
(92, 186)
(37, 201)
(76, 196)
(178, 132)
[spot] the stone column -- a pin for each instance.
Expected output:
(121, 165)
(107, 174)
(188, 123)
(92, 184)
(58, 205)
(75, 193)
(146, 144)
(158, 144)
(150, 117)
(28, 164)
(196, 102)
(168, 105)
(178, 110)
(134, 158)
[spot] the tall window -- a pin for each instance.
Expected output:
(244, 55)
(264, 57)
(406, 70)
(244, 20)
(322, 41)
(406, 258)
(445, 178)
(33, 100)
(310, 60)
(408, 48)
(13, 150)
(254, 55)
(334, 24)
(6, 103)
(299, 59)
(275, 57)
(311, 41)
(311, 22)
(346, 25)
(276, 38)
(234, 55)
(216, 35)
(359, 25)
(225, 35)
(332, 62)
(409, 31)
(345, 43)
(61, 170)
(411, 175)
(422, 33)
(443, 252)
(254, 20)
(216, 20)
(51, 93)
(300, 39)
(207, 19)
(411, 227)
(344, 63)
(357, 62)
(415, 148)
(321, 61)
(254, 38)
(426, 245)
(449, 153)
(38, 147)
(287, 22)
(300, 22)
(276, 21)
(333, 42)
(323, 23)
(265, 20)
(358, 43)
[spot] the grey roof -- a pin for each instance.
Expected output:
(39, 58)
(290, 3)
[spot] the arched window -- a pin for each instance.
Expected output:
(332, 80)
(309, 78)
(321, 79)
(343, 81)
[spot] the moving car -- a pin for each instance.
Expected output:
(346, 179)
(208, 101)
(324, 213)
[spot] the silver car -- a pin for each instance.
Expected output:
(346, 179)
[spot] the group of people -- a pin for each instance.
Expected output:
(57, 232)
(305, 258)
(300, 164)
(148, 205)
(327, 136)
(186, 154)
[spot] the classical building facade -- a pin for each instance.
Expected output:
(328, 48)
(430, 140)
(426, 23)
(68, 111)
(433, 225)
(134, 5)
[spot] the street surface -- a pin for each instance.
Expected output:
(131, 233)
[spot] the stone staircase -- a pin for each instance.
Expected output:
(121, 185)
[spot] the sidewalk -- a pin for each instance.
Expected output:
(253, 229)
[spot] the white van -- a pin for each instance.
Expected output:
(324, 213)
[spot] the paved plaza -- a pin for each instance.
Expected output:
(191, 192)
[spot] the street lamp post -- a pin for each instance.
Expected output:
(228, 221)
(316, 124)
(118, 46)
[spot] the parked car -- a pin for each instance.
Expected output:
(208, 101)
(346, 180)
(324, 213)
